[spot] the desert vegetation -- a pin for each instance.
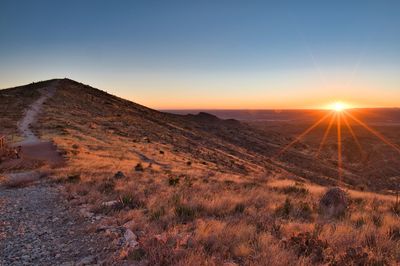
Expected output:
(197, 217)
(193, 191)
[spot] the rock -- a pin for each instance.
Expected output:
(119, 175)
(130, 239)
(110, 203)
(334, 203)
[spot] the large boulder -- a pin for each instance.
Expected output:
(333, 203)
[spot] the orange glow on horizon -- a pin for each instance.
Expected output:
(339, 114)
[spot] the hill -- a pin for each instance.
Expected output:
(197, 189)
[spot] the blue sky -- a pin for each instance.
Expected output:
(209, 54)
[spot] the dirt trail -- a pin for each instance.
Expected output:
(31, 115)
(32, 146)
(38, 226)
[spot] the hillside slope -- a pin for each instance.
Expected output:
(197, 190)
(79, 115)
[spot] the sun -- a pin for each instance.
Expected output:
(338, 106)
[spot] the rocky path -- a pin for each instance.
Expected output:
(37, 226)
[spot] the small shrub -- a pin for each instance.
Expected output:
(276, 230)
(359, 222)
(295, 190)
(285, 209)
(394, 233)
(239, 208)
(250, 185)
(370, 241)
(75, 146)
(139, 168)
(354, 256)
(137, 254)
(107, 186)
(358, 201)
(377, 220)
(74, 178)
(396, 209)
(304, 211)
(308, 245)
(119, 175)
(173, 181)
(185, 213)
(130, 201)
(157, 214)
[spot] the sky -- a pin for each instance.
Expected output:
(209, 54)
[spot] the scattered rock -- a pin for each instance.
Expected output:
(161, 152)
(334, 203)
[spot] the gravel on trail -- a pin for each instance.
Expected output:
(39, 227)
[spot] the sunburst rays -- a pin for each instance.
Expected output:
(341, 117)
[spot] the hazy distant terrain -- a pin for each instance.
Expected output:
(370, 115)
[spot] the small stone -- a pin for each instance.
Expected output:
(109, 203)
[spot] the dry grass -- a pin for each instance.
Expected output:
(211, 211)
(236, 220)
